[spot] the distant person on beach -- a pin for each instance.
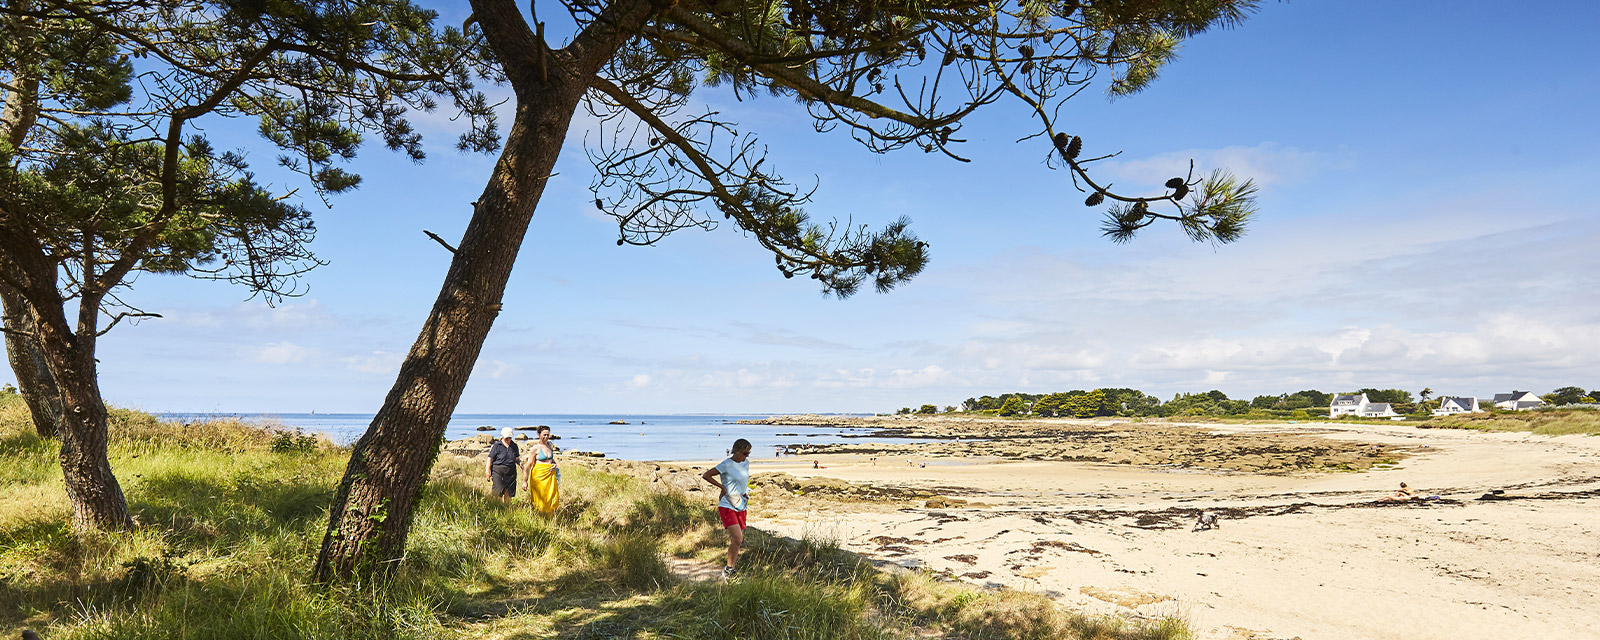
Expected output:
(1402, 495)
(544, 477)
(734, 499)
(501, 467)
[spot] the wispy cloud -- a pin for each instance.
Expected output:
(278, 353)
(1268, 163)
(375, 363)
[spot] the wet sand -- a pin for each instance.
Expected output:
(1099, 516)
(1307, 553)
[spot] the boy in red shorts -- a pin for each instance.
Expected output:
(735, 498)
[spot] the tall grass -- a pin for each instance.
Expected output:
(1550, 422)
(230, 517)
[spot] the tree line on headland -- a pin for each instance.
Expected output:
(1104, 402)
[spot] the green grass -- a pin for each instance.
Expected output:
(230, 517)
(1550, 422)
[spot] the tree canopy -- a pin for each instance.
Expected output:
(105, 172)
(893, 75)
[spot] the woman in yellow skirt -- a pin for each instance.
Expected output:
(544, 477)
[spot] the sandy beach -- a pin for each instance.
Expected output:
(1297, 554)
(1099, 516)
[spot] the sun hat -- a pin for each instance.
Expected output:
(506, 432)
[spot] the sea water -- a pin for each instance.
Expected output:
(644, 437)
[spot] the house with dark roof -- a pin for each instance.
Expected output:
(1347, 405)
(1359, 405)
(1517, 401)
(1451, 406)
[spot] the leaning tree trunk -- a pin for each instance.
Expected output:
(37, 386)
(372, 510)
(97, 501)
(373, 507)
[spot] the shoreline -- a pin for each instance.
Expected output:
(1299, 547)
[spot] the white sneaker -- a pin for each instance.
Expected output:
(728, 573)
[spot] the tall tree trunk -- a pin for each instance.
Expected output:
(373, 508)
(97, 501)
(34, 381)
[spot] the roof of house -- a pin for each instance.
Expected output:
(1347, 399)
(1516, 396)
(1464, 403)
(1378, 406)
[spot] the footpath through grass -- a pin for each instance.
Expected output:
(230, 517)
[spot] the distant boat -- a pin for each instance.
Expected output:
(618, 422)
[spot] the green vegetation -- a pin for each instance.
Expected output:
(1550, 422)
(1309, 404)
(229, 517)
(1570, 395)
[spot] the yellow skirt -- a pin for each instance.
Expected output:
(544, 488)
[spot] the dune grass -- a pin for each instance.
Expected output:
(1549, 422)
(230, 517)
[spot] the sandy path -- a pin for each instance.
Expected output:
(1301, 555)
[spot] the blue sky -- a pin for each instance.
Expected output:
(1428, 220)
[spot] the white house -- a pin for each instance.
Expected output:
(1517, 401)
(1359, 405)
(1451, 406)
(1347, 405)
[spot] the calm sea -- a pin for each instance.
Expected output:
(645, 437)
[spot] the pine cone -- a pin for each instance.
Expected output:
(1174, 183)
(1026, 51)
(1062, 139)
(1181, 192)
(1094, 199)
(1074, 148)
(949, 57)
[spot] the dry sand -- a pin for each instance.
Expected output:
(1298, 554)
(1098, 515)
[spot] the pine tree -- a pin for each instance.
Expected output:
(102, 178)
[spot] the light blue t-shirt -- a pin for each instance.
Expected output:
(736, 477)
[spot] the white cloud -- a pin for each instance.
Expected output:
(1267, 163)
(278, 353)
(255, 315)
(495, 369)
(376, 363)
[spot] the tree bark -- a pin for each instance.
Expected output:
(97, 501)
(373, 508)
(374, 505)
(34, 382)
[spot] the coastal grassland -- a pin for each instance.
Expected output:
(1549, 422)
(230, 517)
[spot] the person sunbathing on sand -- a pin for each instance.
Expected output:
(1402, 495)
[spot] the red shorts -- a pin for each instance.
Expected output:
(730, 517)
